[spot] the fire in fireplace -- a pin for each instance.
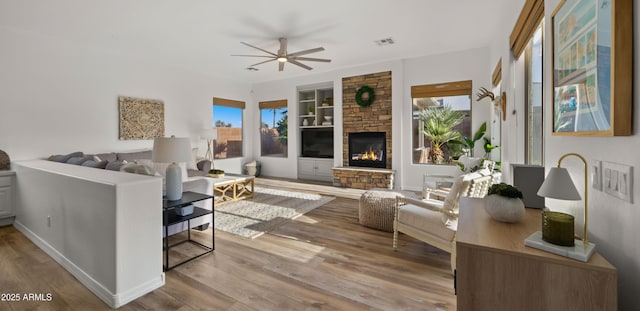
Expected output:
(367, 149)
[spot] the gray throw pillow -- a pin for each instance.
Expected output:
(139, 169)
(77, 160)
(66, 157)
(111, 156)
(91, 163)
(115, 165)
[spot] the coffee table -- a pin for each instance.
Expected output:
(233, 187)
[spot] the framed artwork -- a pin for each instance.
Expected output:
(592, 67)
(140, 118)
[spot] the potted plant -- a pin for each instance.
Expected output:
(438, 128)
(216, 173)
(470, 143)
(504, 203)
(310, 110)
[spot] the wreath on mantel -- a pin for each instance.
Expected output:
(360, 98)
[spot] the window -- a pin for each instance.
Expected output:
(441, 116)
(533, 71)
(274, 128)
(527, 37)
(227, 119)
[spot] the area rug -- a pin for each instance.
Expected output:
(268, 209)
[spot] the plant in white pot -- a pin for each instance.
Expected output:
(504, 203)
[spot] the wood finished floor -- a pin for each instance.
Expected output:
(323, 260)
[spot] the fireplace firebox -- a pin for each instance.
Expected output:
(368, 149)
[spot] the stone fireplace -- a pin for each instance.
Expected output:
(366, 173)
(367, 149)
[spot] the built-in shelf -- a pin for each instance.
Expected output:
(315, 162)
(312, 100)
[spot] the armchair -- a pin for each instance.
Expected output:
(479, 184)
(432, 221)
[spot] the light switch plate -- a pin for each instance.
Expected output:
(596, 174)
(617, 180)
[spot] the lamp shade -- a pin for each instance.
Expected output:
(209, 134)
(558, 185)
(171, 149)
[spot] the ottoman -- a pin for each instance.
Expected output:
(376, 208)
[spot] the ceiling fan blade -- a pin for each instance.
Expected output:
(253, 55)
(309, 59)
(306, 52)
(283, 46)
(281, 66)
(255, 47)
(297, 63)
(266, 61)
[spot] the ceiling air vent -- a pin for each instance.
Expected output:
(385, 41)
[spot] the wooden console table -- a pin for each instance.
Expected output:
(496, 271)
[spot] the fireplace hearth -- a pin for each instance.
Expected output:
(368, 149)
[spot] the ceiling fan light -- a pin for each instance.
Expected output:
(282, 59)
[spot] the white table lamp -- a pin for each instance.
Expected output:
(172, 150)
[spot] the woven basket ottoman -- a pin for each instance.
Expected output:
(376, 208)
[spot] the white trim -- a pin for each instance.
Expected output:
(112, 300)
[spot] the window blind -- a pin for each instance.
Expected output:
(228, 102)
(529, 19)
(441, 89)
(273, 104)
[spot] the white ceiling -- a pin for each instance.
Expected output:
(200, 35)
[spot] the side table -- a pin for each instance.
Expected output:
(169, 217)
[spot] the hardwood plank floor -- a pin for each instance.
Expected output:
(323, 260)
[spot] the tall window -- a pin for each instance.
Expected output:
(274, 123)
(227, 119)
(533, 71)
(441, 117)
(527, 37)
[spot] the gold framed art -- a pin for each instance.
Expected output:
(592, 68)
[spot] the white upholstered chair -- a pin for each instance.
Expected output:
(431, 221)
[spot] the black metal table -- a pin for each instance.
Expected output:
(169, 217)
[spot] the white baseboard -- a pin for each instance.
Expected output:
(113, 300)
(6, 221)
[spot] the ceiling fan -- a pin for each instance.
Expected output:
(284, 57)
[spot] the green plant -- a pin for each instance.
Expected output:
(470, 143)
(505, 190)
(310, 109)
(455, 149)
(283, 129)
(216, 172)
(488, 147)
(438, 128)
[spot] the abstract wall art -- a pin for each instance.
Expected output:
(140, 118)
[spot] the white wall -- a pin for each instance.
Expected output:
(100, 225)
(465, 65)
(612, 222)
(456, 66)
(287, 89)
(58, 97)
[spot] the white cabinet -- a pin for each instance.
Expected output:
(315, 169)
(6, 194)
